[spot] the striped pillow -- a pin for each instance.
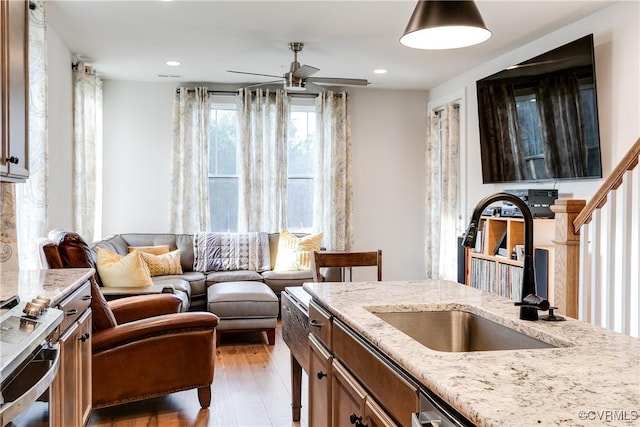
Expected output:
(294, 253)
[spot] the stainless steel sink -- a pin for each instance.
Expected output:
(459, 331)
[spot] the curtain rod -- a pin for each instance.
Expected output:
(232, 92)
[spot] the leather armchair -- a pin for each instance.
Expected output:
(153, 350)
(142, 346)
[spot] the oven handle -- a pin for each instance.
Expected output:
(14, 408)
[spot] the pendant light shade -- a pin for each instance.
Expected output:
(444, 24)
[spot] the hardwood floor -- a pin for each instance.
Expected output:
(251, 387)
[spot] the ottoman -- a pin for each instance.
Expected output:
(245, 306)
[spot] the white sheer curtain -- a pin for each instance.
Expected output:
(31, 197)
(87, 152)
(332, 178)
(442, 193)
(263, 118)
(189, 198)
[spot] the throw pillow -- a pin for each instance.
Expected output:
(155, 250)
(163, 265)
(116, 270)
(294, 253)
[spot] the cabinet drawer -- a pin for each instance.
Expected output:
(398, 396)
(295, 329)
(320, 323)
(74, 305)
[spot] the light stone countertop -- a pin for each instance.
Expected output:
(54, 284)
(592, 378)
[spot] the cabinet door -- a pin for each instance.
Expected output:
(374, 415)
(84, 369)
(320, 375)
(4, 138)
(64, 391)
(14, 75)
(347, 398)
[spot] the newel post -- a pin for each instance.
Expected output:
(567, 256)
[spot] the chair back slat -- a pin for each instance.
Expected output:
(322, 259)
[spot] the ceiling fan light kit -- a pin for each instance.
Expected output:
(443, 24)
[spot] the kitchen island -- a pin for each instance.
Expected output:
(55, 285)
(591, 378)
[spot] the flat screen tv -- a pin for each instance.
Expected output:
(539, 119)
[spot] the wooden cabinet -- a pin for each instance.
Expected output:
(350, 384)
(71, 390)
(320, 377)
(14, 82)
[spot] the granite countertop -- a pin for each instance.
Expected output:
(592, 378)
(53, 284)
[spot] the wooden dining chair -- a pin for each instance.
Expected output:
(344, 260)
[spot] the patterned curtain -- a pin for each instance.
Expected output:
(8, 229)
(443, 221)
(263, 118)
(31, 197)
(189, 198)
(87, 152)
(332, 196)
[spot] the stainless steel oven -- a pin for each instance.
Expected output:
(28, 359)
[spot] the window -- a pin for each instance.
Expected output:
(302, 126)
(223, 166)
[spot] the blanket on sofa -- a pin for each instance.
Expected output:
(231, 251)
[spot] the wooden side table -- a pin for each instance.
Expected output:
(295, 332)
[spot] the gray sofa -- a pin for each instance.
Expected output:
(191, 286)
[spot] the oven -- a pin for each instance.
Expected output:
(29, 359)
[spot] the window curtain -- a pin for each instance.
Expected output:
(443, 221)
(559, 108)
(500, 123)
(87, 152)
(31, 197)
(189, 198)
(263, 118)
(332, 196)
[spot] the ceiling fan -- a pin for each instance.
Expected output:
(298, 78)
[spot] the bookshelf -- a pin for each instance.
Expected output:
(493, 270)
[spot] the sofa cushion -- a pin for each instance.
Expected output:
(233, 276)
(184, 242)
(154, 250)
(278, 280)
(294, 253)
(163, 265)
(122, 271)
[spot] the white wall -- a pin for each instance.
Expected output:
(60, 134)
(617, 52)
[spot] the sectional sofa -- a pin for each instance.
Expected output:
(191, 286)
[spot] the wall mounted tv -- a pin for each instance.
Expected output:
(539, 119)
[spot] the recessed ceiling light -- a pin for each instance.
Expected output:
(380, 71)
(173, 63)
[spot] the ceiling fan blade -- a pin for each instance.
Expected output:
(254, 74)
(338, 81)
(305, 71)
(313, 88)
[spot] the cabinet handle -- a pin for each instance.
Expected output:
(315, 323)
(86, 297)
(72, 312)
(321, 374)
(84, 337)
(13, 159)
(354, 419)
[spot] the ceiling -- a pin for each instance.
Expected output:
(132, 40)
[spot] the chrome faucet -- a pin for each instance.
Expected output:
(529, 303)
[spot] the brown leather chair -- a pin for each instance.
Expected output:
(142, 346)
(344, 260)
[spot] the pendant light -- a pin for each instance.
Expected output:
(437, 24)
